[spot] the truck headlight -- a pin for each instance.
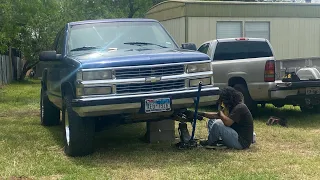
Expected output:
(95, 75)
(195, 82)
(192, 68)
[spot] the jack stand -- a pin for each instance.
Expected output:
(187, 142)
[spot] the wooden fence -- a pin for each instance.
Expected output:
(10, 67)
(5, 70)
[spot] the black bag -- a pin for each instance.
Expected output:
(290, 77)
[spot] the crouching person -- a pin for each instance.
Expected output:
(233, 124)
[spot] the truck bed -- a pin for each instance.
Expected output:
(294, 65)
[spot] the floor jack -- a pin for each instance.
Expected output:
(187, 141)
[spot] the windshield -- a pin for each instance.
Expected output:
(118, 35)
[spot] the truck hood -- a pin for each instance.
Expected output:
(118, 58)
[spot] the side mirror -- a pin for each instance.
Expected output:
(49, 56)
(190, 46)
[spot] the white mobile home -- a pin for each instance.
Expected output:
(292, 28)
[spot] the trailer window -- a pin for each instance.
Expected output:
(242, 50)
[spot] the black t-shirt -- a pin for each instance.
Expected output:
(243, 124)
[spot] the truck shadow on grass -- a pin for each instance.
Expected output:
(295, 118)
(122, 145)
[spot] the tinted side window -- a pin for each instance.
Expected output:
(242, 50)
(56, 40)
(60, 42)
(204, 48)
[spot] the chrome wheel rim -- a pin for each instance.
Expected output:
(66, 126)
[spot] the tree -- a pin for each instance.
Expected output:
(8, 29)
(31, 25)
(37, 22)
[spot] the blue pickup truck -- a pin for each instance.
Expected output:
(116, 70)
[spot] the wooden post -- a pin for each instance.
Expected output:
(1, 71)
(9, 66)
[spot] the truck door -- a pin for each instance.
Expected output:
(54, 72)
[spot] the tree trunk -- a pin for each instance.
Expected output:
(132, 10)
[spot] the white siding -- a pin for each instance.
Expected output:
(201, 30)
(290, 37)
(176, 28)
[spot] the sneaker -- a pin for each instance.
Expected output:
(204, 143)
(216, 145)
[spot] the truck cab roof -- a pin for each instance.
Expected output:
(112, 20)
(236, 39)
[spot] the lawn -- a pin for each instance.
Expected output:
(31, 151)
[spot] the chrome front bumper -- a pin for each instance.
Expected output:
(130, 104)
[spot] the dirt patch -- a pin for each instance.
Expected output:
(19, 178)
(20, 113)
(315, 131)
(53, 177)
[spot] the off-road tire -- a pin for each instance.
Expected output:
(49, 114)
(251, 104)
(78, 131)
(313, 109)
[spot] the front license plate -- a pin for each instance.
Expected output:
(313, 90)
(157, 105)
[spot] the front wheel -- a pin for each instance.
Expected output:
(49, 114)
(78, 131)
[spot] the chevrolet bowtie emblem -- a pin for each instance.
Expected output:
(153, 79)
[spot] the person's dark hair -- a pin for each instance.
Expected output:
(230, 97)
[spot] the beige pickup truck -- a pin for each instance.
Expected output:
(248, 65)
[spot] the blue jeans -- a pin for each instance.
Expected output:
(217, 130)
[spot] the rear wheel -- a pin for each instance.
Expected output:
(310, 109)
(252, 105)
(50, 115)
(78, 131)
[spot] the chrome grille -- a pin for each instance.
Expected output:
(148, 87)
(149, 72)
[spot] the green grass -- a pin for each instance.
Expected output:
(32, 151)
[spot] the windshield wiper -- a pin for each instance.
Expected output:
(144, 43)
(84, 48)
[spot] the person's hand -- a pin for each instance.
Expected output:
(220, 114)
